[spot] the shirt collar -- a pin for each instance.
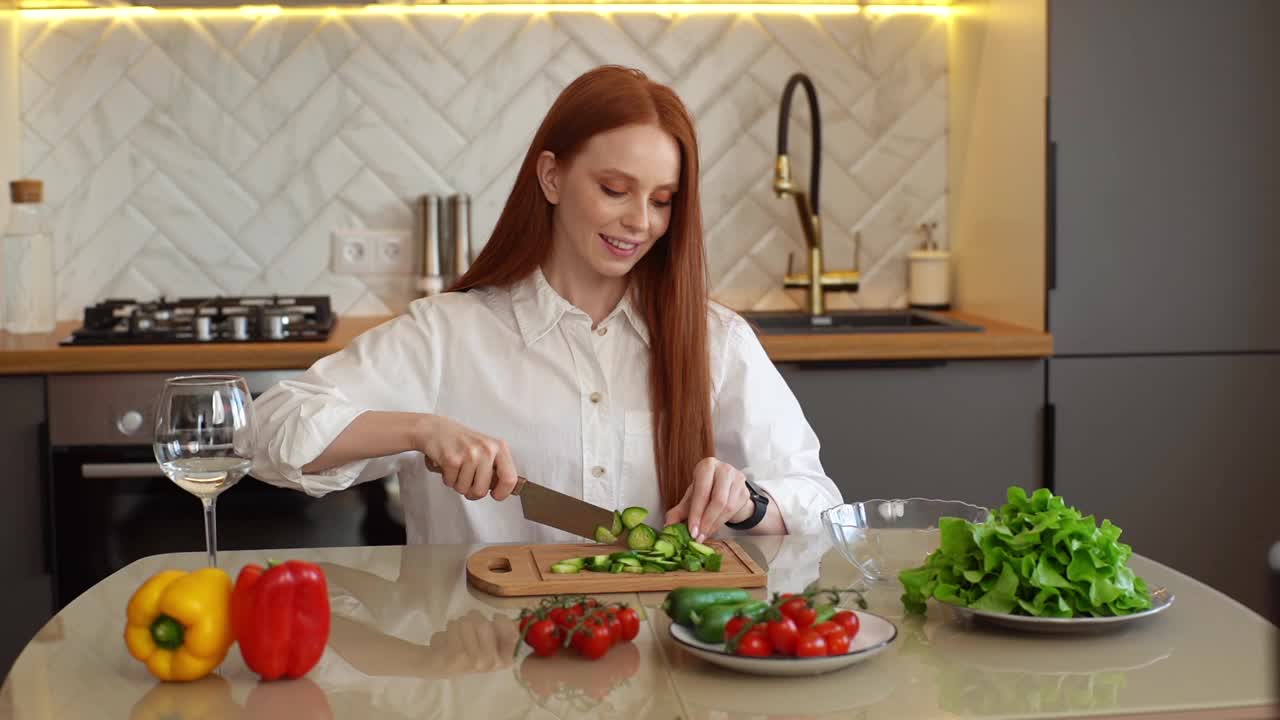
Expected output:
(538, 307)
(635, 317)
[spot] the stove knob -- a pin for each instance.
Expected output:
(129, 422)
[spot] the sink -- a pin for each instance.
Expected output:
(855, 321)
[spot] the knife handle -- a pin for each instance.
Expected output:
(435, 468)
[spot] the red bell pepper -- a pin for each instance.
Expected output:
(280, 618)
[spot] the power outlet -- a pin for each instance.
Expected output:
(371, 252)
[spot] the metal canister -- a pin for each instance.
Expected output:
(432, 279)
(460, 234)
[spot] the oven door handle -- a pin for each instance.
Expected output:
(103, 471)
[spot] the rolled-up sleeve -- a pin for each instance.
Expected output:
(761, 429)
(392, 367)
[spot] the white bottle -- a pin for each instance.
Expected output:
(929, 274)
(28, 262)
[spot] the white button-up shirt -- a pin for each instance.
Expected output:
(572, 403)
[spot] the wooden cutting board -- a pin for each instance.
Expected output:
(521, 570)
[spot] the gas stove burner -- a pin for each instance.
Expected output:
(266, 318)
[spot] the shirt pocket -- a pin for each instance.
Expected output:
(637, 448)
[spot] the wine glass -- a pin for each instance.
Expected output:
(204, 439)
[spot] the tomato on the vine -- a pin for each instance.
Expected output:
(592, 640)
(783, 634)
(630, 620)
(544, 637)
(810, 644)
(848, 620)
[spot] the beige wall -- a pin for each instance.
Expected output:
(8, 104)
(997, 169)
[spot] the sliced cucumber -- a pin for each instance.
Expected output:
(664, 548)
(616, 567)
(652, 568)
(680, 530)
(634, 569)
(641, 537)
(573, 562)
(621, 554)
(692, 564)
(565, 568)
(633, 516)
(617, 524)
(630, 561)
(701, 549)
(713, 563)
(599, 562)
(604, 535)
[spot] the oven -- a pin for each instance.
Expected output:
(109, 503)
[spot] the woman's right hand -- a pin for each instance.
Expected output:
(471, 463)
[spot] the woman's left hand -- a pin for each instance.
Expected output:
(718, 495)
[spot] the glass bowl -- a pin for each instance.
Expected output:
(884, 537)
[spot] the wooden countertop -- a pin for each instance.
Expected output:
(41, 354)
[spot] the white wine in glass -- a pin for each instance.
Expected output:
(204, 439)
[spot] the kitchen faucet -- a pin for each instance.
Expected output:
(816, 280)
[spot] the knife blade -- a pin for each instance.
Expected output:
(548, 507)
(545, 506)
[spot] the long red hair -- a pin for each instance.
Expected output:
(670, 282)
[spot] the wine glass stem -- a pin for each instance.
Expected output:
(211, 530)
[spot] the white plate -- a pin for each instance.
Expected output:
(1161, 600)
(874, 635)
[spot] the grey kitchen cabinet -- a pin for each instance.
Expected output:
(963, 430)
(1161, 295)
(1181, 453)
(1163, 117)
(29, 598)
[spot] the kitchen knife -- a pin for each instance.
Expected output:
(564, 512)
(555, 509)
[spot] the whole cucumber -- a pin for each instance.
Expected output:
(681, 602)
(710, 622)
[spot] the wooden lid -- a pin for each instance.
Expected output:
(26, 191)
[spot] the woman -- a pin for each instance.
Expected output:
(579, 351)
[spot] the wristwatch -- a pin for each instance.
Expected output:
(762, 506)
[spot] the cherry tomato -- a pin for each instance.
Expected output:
(544, 637)
(592, 640)
(848, 620)
(630, 620)
(799, 611)
(782, 634)
(614, 625)
(755, 644)
(564, 618)
(735, 624)
(823, 628)
(837, 641)
(810, 644)
(526, 621)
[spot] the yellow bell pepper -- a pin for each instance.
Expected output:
(179, 623)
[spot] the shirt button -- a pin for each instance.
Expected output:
(601, 331)
(595, 397)
(597, 471)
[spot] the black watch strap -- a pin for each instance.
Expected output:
(762, 506)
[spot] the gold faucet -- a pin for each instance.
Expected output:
(817, 280)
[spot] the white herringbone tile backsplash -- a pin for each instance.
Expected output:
(216, 155)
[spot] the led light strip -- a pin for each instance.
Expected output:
(603, 8)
